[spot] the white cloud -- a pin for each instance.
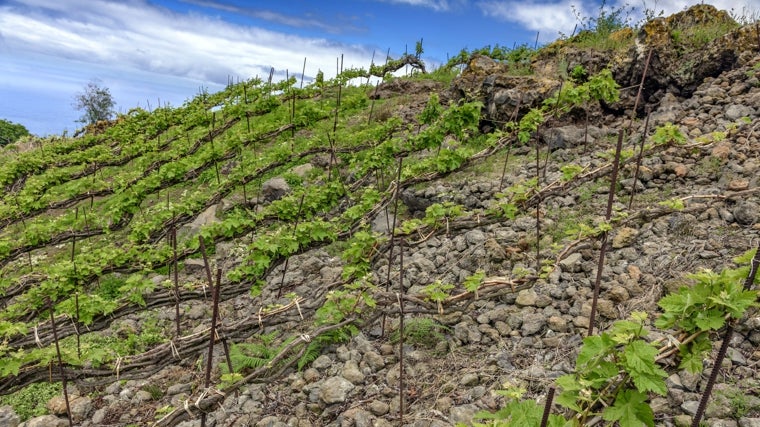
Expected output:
(50, 48)
(547, 18)
(552, 17)
(437, 5)
(138, 35)
(342, 25)
(748, 8)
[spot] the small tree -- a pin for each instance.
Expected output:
(96, 102)
(11, 132)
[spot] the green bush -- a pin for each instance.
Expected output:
(11, 132)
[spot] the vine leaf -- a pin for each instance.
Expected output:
(630, 410)
(593, 348)
(647, 376)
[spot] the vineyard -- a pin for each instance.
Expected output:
(451, 246)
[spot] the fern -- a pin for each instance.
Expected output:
(254, 355)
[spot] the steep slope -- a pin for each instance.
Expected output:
(294, 193)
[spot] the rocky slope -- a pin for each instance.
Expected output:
(521, 328)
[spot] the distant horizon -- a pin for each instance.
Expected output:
(146, 51)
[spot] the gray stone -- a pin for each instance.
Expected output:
(462, 414)
(80, 407)
(689, 380)
(270, 421)
(475, 237)
(469, 379)
(179, 388)
(379, 407)
(56, 405)
(722, 423)
(310, 375)
(194, 266)
(322, 362)
(719, 406)
(557, 324)
(113, 388)
(352, 373)
(749, 422)
(495, 251)
(46, 421)
(335, 390)
(674, 381)
(682, 420)
(737, 358)
(274, 189)
(99, 415)
(361, 417)
(563, 137)
(737, 111)
(624, 237)
(374, 360)
(690, 406)
(745, 212)
(141, 396)
(618, 294)
(207, 217)
(572, 263)
(382, 222)
(8, 417)
(342, 353)
(414, 202)
(526, 298)
(467, 333)
(532, 323)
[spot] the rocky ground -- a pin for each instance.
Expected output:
(457, 356)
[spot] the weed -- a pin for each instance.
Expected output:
(421, 331)
(738, 401)
(30, 401)
(579, 74)
(606, 30)
(154, 390)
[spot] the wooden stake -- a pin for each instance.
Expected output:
(538, 208)
(401, 338)
(60, 363)
(176, 281)
(547, 407)
(205, 263)
(295, 229)
(212, 336)
(393, 232)
(603, 249)
(638, 158)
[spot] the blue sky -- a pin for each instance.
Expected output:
(145, 51)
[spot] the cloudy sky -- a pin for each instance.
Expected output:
(146, 51)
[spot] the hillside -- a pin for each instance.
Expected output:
(475, 208)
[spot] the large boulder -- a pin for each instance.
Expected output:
(681, 59)
(8, 417)
(500, 91)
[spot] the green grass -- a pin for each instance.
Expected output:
(697, 37)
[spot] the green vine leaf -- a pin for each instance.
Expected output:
(639, 360)
(630, 410)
